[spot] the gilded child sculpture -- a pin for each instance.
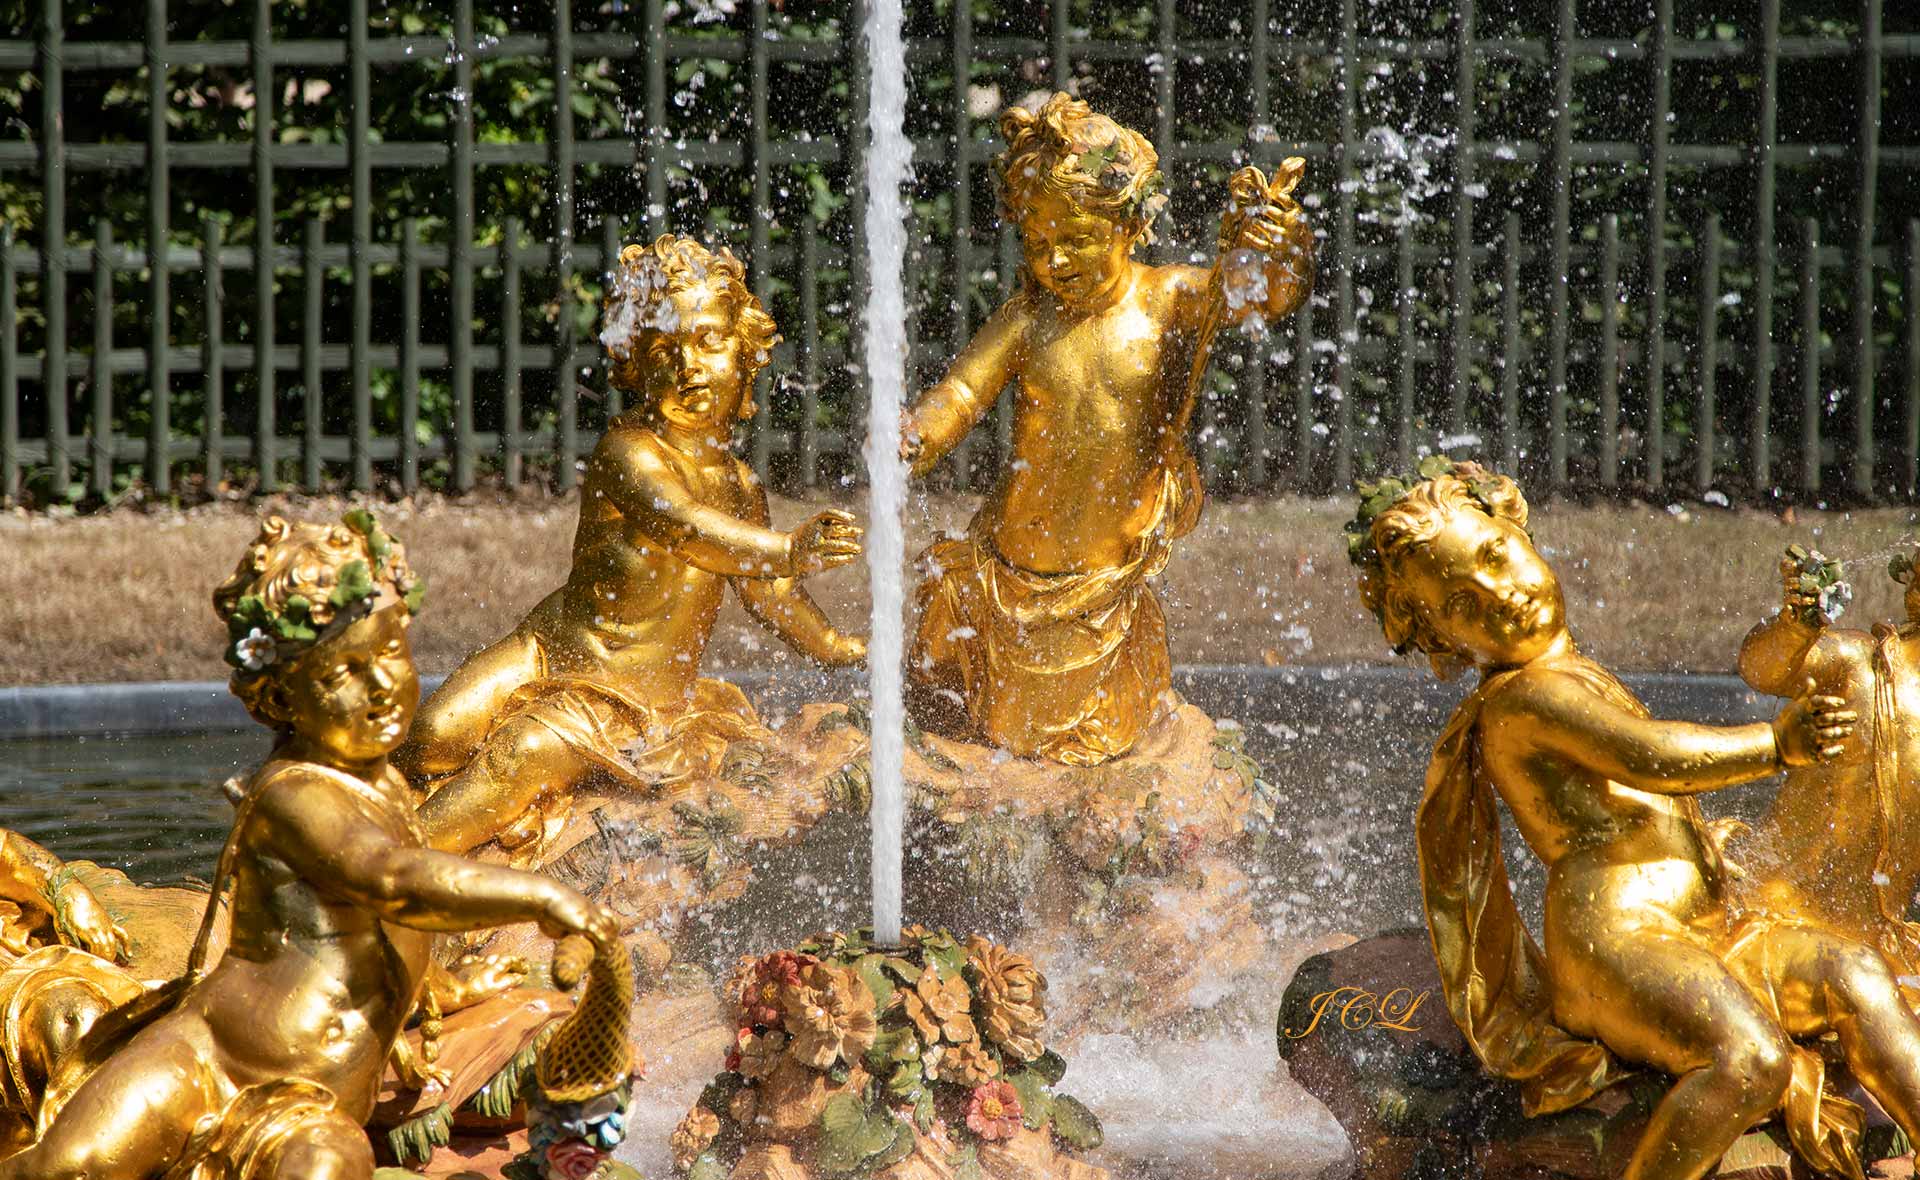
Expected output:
(266, 1063)
(1039, 632)
(1649, 958)
(1840, 844)
(603, 675)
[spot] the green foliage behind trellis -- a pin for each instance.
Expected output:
(664, 99)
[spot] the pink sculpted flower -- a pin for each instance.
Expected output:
(993, 1113)
(573, 1159)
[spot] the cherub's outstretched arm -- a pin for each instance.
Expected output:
(784, 606)
(311, 824)
(1776, 654)
(647, 490)
(942, 416)
(1550, 713)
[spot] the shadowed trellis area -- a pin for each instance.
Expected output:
(382, 247)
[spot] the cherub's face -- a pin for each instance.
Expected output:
(1075, 254)
(1483, 589)
(354, 695)
(695, 374)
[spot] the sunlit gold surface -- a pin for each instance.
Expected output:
(1647, 961)
(266, 1063)
(1040, 623)
(603, 674)
(1841, 842)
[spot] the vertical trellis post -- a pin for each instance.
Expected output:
(1409, 344)
(1253, 381)
(410, 354)
(1867, 145)
(360, 161)
(1463, 86)
(1707, 355)
(213, 354)
(1510, 344)
(100, 370)
(314, 421)
(1610, 351)
(1911, 433)
(566, 401)
(1559, 262)
(1058, 39)
(159, 230)
(9, 371)
(1760, 428)
(460, 248)
(264, 425)
(1810, 354)
(511, 444)
(1345, 186)
(53, 238)
(656, 159)
(810, 350)
(1302, 474)
(610, 259)
(960, 322)
(1655, 343)
(761, 227)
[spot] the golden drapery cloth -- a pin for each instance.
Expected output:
(70, 979)
(243, 1140)
(639, 743)
(1066, 667)
(1494, 975)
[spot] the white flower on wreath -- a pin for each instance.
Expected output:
(255, 650)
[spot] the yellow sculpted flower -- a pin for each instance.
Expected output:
(1013, 1004)
(967, 1065)
(693, 1136)
(830, 1016)
(941, 1009)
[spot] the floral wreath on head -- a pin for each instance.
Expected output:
(1376, 496)
(259, 637)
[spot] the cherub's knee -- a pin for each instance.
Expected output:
(328, 1148)
(1758, 1068)
(522, 747)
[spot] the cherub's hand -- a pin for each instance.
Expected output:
(81, 921)
(911, 444)
(1280, 232)
(1811, 727)
(825, 541)
(1798, 602)
(483, 976)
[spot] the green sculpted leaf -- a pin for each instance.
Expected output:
(852, 1133)
(1076, 1126)
(356, 583)
(1036, 1101)
(707, 1167)
(1050, 1066)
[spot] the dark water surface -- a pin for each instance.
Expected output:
(1344, 749)
(150, 806)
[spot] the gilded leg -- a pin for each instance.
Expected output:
(131, 1120)
(452, 724)
(522, 763)
(329, 1148)
(1670, 1003)
(1828, 983)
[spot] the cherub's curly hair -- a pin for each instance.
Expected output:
(1407, 524)
(638, 298)
(1065, 149)
(289, 582)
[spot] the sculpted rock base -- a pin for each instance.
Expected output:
(1364, 1030)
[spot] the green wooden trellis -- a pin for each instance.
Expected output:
(1309, 415)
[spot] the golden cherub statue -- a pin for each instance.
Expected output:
(604, 673)
(1647, 960)
(1840, 844)
(266, 1063)
(1040, 622)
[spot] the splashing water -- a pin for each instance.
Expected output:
(889, 162)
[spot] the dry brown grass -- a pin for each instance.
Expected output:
(124, 596)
